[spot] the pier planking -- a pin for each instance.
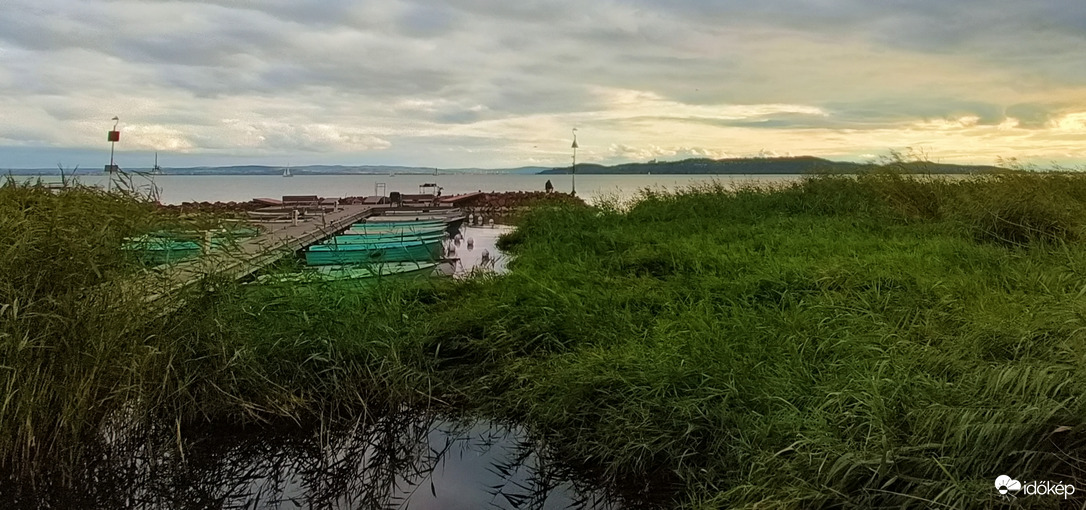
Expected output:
(251, 255)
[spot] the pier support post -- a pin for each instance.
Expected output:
(294, 217)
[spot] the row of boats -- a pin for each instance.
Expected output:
(165, 247)
(398, 242)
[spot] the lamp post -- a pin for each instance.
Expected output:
(573, 170)
(113, 137)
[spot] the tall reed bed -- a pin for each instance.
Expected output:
(880, 340)
(86, 360)
(64, 336)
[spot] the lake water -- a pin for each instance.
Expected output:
(476, 250)
(401, 460)
(175, 189)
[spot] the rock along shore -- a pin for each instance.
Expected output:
(497, 205)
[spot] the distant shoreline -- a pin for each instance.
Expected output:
(733, 166)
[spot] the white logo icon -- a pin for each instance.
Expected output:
(1005, 484)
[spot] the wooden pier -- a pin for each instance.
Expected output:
(250, 255)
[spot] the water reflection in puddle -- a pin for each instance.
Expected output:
(401, 461)
(481, 254)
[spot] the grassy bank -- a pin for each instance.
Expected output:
(872, 341)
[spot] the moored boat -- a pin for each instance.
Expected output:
(367, 273)
(161, 247)
(451, 211)
(421, 218)
(331, 254)
(395, 235)
(399, 227)
(151, 249)
(400, 221)
(452, 223)
(393, 228)
(356, 237)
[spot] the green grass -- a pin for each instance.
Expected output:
(828, 343)
(78, 354)
(862, 342)
(879, 341)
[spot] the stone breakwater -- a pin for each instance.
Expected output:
(218, 208)
(500, 206)
(503, 206)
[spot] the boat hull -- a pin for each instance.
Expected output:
(391, 237)
(386, 213)
(369, 273)
(403, 222)
(156, 250)
(394, 230)
(422, 218)
(168, 256)
(363, 253)
(452, 223)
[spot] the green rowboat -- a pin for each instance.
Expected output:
(353, 237)
(362, 253)
(369, 273)
(381, 220)
(451, 223)
(163, 246)
(367, 229)
(155, 250)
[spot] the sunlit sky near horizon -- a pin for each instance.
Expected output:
(472, 83)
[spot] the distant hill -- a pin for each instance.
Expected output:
(755, 166)
(248, 170)
(299, 170)
(530, 170)
(796, 165)
(295, 170)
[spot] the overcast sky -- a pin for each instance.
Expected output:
(474, 83)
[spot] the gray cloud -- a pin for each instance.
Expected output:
(427, 21)
(472, 75)
(1033, 115)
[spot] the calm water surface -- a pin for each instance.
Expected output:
(175, 189)
(402, 460)
(482, 253)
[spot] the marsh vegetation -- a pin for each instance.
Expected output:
(880, 340)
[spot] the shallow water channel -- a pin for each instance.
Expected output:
(403, 460)
(481, 254)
